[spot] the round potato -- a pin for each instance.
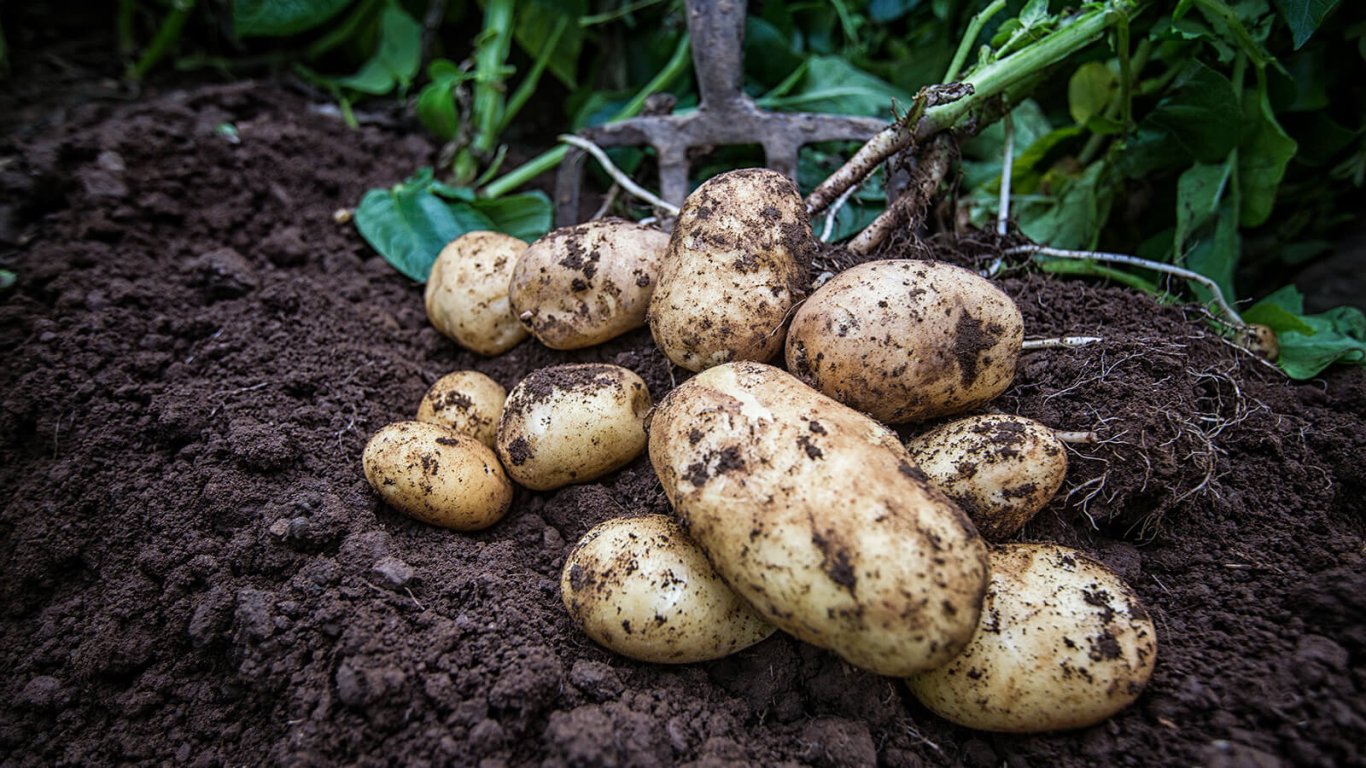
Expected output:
(582, 285)
(737, 263)
(437, 476)
(640, 587)
(467, 402)
(907, 340)
(571, 424)
(813, 514)
(467, 292)
(1000, 469)
(1063, 643)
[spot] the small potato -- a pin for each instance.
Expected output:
(467, 292)
(467, 402)
(571, 424)
(437, 476)
(640, 587)
(1000, 469)
(1063, 643)
(907, 340)
(737, 263)
(582, 285)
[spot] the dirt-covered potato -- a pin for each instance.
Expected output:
(813, 513)
(736, 264)
(437, 476)
(640, 587)
(467, 292)
(907, 340)
(582, 285)
(571, 424)
(1063, 643)
(467, 402)
(1000, 469)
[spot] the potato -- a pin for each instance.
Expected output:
(467, 292)
(642, 588)
(571, 424)
(437, 476)
(1063, 643)
(467, 402)
(813, 513)
(907, 340)
(582, 285)
(737, 263)
(1000, 469)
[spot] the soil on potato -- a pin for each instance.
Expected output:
(195, 571)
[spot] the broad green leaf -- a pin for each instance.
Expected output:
(525, 216)
(1089, 89)
(1073, 219)
(536, 21)
(1304, 16)
(1277, 319)
(1198, 192)
(832, 84)
(7, 279)
(1216, 256)
(1311, 343)
(883, 11)
(436, 109)
(1265, 152)
(278, 18)
(984, 152)
(1200, 112)
(397, 58)
(769, 57)
(409, 225)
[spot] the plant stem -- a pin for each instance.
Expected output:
(528, 84)
(123, 27)
(168, 34)
(342, 32)
(974, 29)
(490, 55)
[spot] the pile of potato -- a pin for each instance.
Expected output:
(797, 508)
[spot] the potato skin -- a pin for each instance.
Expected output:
(582, 285)
(1000, 469)
(467, 402)
(907, 340)
(467, 292)
(640, 587)
(737, 262)
(813, 514)
(572, 423)
(1064, 643)
(437, 476)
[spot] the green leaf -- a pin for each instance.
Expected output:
(1311, 343)
(1088, 91)
(1201, 113)
(278, 18)
(436, 103)
(1216, 256)
(832, 84)
(7, 279)
(397, 58)
(1198, 192)
(525, 216)
(769, 57)
(1073, 219)
(409, 225)
(1262, 158)
(1304, 16)
(536, 22)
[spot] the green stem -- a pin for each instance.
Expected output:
(490, 56)
(342, 32)
(603, 18)
(168, 34)
(960, 56)
(528, 85)
(1128, 66)
(123, 26)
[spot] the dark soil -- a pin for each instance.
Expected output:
(195, 571)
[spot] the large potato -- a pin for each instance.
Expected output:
(437, 476)
(1063, 643)
(467, 292)
(642, 588)
(571, 424)
(737, 263)
(907, 340)
(582, 285)
(467, 402)
(1000, 469)
(813, 513)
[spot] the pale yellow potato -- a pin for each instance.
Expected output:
(640, 587)
(572, 423)
(737, 263)
(467, 292)
(1064, 643)
(467, 402)
(1000, 469)
(437, 476)
(813, 513)
(907, 340)
(582, 285)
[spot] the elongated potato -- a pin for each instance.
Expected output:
(907, 340)
(813, 513)
(642, 588)
(1000, 469)
(467, 402)
(582, 285)
(1063, 643)
(437, 476)
(467, 292)
(737, 263)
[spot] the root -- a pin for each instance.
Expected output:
(909, 208)
(1061, 342)
(617, 175)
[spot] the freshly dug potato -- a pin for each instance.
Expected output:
(813, 513)
(571, 424)
(642, 588)
(737, 263)
(1063, 643)
(437, 476)
(467, 402)
(582, 285)
(1000, 469)
(907, 340)
(467, 292)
